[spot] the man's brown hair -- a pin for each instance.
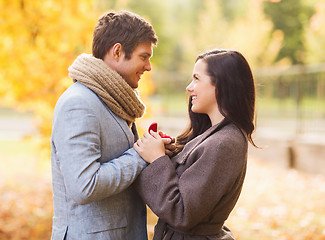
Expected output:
(122, 27)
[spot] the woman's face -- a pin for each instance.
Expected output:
(202, 91)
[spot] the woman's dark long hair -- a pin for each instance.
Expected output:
(235, 94)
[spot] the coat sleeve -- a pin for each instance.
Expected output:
(183, 201)
(77, 145)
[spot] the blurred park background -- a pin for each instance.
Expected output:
(284, 42)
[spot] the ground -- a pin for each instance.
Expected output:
(276, 203)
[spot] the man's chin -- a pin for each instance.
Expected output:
(134, 86)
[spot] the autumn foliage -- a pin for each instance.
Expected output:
(39, 40)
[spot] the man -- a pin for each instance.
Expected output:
(93, 128)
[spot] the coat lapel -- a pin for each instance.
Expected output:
(130, 134)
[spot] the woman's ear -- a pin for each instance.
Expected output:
(117, 51)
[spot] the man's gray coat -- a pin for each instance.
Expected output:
(92, 171)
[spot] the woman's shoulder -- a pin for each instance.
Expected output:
(229, 135)
(216, 141)
(231, 130)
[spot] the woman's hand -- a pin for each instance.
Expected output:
(151, 146)
(169, 148)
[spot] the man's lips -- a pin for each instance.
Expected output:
(139, 75)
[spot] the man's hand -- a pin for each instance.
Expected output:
(151, 146)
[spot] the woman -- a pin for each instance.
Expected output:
(194, 192)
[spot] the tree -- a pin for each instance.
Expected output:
(39, 40)
(290, 17)
(245, 29)
(250, 34)
(315, 35)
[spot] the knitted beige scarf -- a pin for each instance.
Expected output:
(112, 89)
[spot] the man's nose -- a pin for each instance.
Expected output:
(147, 67)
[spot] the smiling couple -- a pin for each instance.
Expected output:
(103, 174)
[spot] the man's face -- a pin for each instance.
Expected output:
(132, 69)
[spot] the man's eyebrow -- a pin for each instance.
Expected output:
(146, 54)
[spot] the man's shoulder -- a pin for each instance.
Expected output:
(78, 96)
(80, 93)
(78, 90)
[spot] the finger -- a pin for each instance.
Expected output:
(161, 133)
(139, 142)
(166, 140)
(136, 146)
(170, 147)
(146, 135)
(155, 134)
(168, 153)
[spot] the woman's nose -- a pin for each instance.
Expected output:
(189, 87)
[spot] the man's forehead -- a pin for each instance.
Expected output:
(144, 48)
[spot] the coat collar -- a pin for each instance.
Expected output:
(191, 145)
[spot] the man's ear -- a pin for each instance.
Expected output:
(117, 51)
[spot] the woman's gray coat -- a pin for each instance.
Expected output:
(194, 192)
